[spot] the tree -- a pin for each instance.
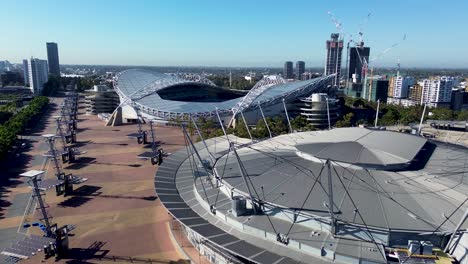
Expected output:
(346, 121)
(277, 125)
(260, 130)
(391, 116)
(52, 85)
(241, 130)
(462, 115)
(85, 83)
(359, 103)
(19, 121)
(299, 123)
(441, 114)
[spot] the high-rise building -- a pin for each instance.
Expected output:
(53, 58)
(333, 60)
(459, 100)
(26, 72)
(37, 74)
(377, 87)
(300, 69)
(438, 91)
(288, 70)
(401, 86)
(415, 93)
(358, 56)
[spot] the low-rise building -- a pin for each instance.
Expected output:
(10, 78)
(316, 109)
(101, 99)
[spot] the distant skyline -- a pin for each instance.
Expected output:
(233, 33)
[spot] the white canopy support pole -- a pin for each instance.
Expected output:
(422, 119)
(330, 198)
(213, 159)
(244, 177)
(222, 126)
(377, 113)
(153, 138)
(264, 120)
(287, 117)
(210, 176)
(246, 126)
(328, 114)
(462, 220)
(137, 110)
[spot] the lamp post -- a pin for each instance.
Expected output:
(328, 114)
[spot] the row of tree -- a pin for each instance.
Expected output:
(354, 111)
(6, 111)
(18, 122)
(277, 125)
(357, 111)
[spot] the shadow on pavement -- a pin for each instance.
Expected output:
(18, 160)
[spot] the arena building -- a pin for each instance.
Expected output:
(347, 195)
(168, 97)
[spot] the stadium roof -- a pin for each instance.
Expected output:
(372, 207)
(411, 199)
(367, 148)
(140, 88)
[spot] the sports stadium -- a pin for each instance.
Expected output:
(167, 97)
(346, 195)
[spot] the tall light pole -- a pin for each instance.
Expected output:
(328, 114)
(377, 113)
(422, 118)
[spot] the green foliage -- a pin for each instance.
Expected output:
(52, 85)
(462, 115)
(277, 125)
(300, 123)
(441, 114)
(19, 121)
(391, 117)
(346, 121)
(6, 111)
(85, 83)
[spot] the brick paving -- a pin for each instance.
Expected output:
(117, 207)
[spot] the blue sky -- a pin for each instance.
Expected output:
(231, 32)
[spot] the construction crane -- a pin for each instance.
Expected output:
(365, 62)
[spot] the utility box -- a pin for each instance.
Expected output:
(414, 247)
(426, 247)
(238, 206)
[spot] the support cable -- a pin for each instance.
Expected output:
(307, 197)
(264, 120)
(247, 177)
(213, 158)
(359, 213)
(190, 156)
(222, 177)
(197, 154)
(287, 117)
(246, 126)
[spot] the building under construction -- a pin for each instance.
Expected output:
(348, 195)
